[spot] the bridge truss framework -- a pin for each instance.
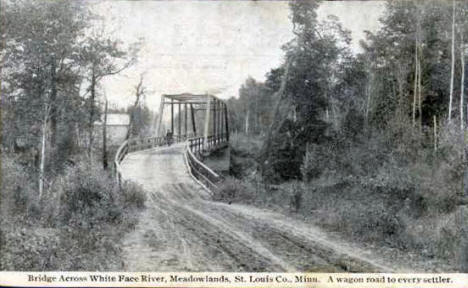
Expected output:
(214, 138)
(215, 113)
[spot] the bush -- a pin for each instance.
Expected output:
(317, 160)
(440, 181)
(435, 236)
(244, 150)
(246, 145)
(234, 190)
(389, 187)
(19, 197)
(77, 225)
(133, 195)
(26, 249)
(88, 196)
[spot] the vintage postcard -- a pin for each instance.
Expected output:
(234, 143)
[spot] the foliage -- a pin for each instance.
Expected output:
(53, 60)
(143, 119)
(88, 196)
(362, 143)
(18, 195)
(233, 190)
(47, 233)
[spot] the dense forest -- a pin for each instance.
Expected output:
(56, 182)
(368, 144)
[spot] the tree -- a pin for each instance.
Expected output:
(308, 102)
(452, 67)
(41, 71)
(47, 57)
(140, 92)
(462, 31)
(255, 99)
(45, 120)
(413, 57)
(100, 56)
(462, 86)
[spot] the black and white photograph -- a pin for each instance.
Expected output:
(234, 136)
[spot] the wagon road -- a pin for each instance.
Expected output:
(182, 229)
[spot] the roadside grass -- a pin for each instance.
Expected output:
(78, 224)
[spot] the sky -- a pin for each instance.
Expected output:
(210, 46)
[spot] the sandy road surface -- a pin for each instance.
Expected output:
(183, 230)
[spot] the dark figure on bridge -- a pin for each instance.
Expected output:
(169, 137)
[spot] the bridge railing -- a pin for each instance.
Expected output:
(196, 149)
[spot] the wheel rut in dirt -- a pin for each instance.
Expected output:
(183, 230)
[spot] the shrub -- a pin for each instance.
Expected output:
(133, 195)
(27, 249)
(19, 197)
(440, 181)
(77, 225)
(247, 145)
(317, 160)
(435, 236)
(88, 196)
(234, 190)
(389, 187)
(244, 151)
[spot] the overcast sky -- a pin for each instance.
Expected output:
(211, 46)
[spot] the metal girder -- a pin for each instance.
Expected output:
(189, 98)
(188, 102)
(196, 102)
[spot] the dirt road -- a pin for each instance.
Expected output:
(183, 230)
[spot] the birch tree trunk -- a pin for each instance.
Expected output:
(53, 108)
(327, 112)
(419, 92)
(435, 133)
(43, 151)
(42, 165)
(247, 122)
(462, 89)
(91, 111)
(400, 78)
(416, 74)
(368, 92)
(452, 70)
(369, 89)
(255, 128)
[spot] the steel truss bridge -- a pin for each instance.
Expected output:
(183, 127)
